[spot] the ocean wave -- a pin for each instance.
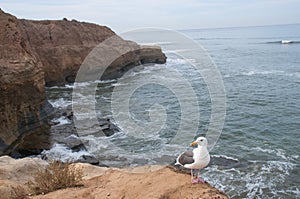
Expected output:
(177, 61)
(158, 43)
(225, 157)
(63, 153)
(61, 87)
(250, 73)
(215, 38)
(60, 103)
(283, 42)
(92, 83)
(278, 152)
(81, 84)
(253, 182)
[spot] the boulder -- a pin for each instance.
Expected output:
(15, 175)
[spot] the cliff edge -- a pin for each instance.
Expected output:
(148, 182)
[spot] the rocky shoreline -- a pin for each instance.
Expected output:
(66, 135)
(35, 54)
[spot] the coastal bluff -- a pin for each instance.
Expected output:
(148, 182)
(23, 106)
(62, 46)
(35, 54)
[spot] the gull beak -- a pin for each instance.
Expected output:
(193, 144)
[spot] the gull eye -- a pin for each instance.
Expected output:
(201, 140)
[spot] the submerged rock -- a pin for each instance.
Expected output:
(88, 159)
(66, 135)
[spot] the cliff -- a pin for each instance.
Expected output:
(62, 46)
(38, 53)
(23, 106)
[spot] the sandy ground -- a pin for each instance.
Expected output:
(161, 183)
(108, 183)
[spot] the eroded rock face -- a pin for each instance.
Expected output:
(62, 46)
(23, 106)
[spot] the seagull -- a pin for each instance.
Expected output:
(196, 159)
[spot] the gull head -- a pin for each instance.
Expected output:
(200, 141)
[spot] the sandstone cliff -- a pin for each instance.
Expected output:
(62, 46)
(38, 53)
(23, 105)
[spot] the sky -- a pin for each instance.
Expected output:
(125, 15)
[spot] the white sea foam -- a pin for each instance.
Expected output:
(250, 73)
(61, 87)
(63, 153)
(286, 41)
(72, 136)
(252, 184)
(278, 152)
(119, 84)
(62, 120)
(177, 61)
(225, 157)
(60, 103)
(91, 83)
(158, 43)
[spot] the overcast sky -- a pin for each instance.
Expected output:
(123, 15)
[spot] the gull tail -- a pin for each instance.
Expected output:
(177, 161)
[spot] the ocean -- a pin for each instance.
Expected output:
(261, 132)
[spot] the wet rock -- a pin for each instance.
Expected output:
(75, 143)
(165, 159)
(69, 134)
(68, 112)
(223, 161)
(66, 134)
(108, 127)
(88, 159)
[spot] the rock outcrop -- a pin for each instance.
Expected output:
(62, 46)
(23, 106)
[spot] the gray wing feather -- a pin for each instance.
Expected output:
(185, 158)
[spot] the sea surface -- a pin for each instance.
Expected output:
(261, 131)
